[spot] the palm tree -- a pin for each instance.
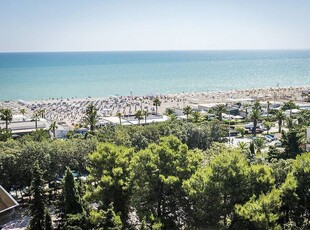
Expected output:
(91, 116)
(7, 116)
(169, 111)
(242, 145)
(268, 109)
(218, 110)
(119, 117)
(289, 105)
(290, 123)
(196, 116)
(268, 125)
(241, 130)
(156, 103)
(255, 115)
(260, 144)
(53, 128)
(36, 117)
(245, 108)
(42, 113)
(257, 105)
(39, 135)
(280, 115)
(187, 110)
(139, 116)
(23, 112)
(303, 118)
(145, 113)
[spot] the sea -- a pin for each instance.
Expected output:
(46, 75)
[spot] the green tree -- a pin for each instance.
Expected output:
(255, 116)
(106, 220)
(218, 110)
(268, 109)
(268, 125)
(243, 145)
(245, 109)
(303, 118)
(261, 213)
(260, 144)
(53, 128)
(42, 113)
(139, 116)
(112, 221)
(241, 130)
(5, 135)
(156, 103)
(72, 203)
(145, 113)
(280, 116)
(37, 207)
(7, 116)
(257, 105)
(252, 148)
(36, 117)
(187, 110)
(40, 135)
(119, 115)
(290, 124)
(217, 187)
(291, 142)
(48, 224)
(169, 111)
(300, 172)
(22, 111)
(109, 170)
(289, 106)
(196, 116)
(157, 174)
(273, 152)
(91, 116)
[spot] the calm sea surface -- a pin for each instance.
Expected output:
(31, 76)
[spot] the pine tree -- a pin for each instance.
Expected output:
(37, 208)
(112, 221)
(48, 221)
(73, 215)
(72, 204)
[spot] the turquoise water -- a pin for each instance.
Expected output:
(31, 76)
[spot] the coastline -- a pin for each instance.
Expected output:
(71, 111)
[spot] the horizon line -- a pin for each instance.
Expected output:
(173, 50)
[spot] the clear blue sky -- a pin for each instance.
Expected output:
(82, 25)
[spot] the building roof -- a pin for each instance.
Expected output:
(24, 126)
(7, 202)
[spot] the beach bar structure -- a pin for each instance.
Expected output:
(7, 207)
(25, 127)
(131, 120)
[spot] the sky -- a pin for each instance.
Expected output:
(121, 25)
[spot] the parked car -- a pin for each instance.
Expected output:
(268, 138)
(278, 144)
(271, 137)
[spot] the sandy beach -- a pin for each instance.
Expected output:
(71, 111)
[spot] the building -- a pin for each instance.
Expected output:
(7, 207)
(131, 120)
(208, 106)
(19, 126)
(61, 131)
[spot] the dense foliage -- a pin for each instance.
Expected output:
(171, 175)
